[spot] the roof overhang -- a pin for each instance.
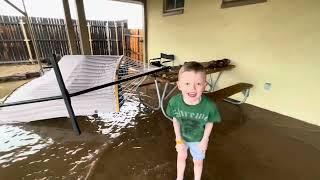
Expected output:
(131, 1)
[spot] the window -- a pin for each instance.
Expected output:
(234, 3)
(173, 7)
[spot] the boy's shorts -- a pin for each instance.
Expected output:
(195, 151)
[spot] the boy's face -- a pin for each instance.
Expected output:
(192, 84)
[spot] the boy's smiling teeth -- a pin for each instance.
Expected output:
(192, 94)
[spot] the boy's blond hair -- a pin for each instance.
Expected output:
(192, 66)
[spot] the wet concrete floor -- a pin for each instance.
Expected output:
(138, 144)
(249, 144)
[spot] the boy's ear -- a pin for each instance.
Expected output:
(178, 84)
(205, 85)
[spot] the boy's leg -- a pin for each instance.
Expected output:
(181, 161)
(198, 157)
(197, 168)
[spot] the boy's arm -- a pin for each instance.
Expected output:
(203, 145)
(214, 116)
(207, 131)
(176, 127)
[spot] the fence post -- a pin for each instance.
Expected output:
(116, 32)
(26, 40)
(122, 33)
(108, 38)
(34, 43)
(69, 29)
(90, 39)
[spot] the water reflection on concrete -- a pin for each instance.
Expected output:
(50, 148)
(17, 144)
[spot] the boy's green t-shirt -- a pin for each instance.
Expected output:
(192, 118)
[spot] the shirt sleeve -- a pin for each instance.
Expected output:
(214, 115)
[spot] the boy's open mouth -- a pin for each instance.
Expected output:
(192, 94)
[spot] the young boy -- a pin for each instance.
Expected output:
(193, 116)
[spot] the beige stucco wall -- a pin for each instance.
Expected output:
(276, 42)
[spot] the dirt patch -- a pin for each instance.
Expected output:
(14, 70)
(10, 70)
(7, 87)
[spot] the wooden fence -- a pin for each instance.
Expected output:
(134, 44)
(106, 38)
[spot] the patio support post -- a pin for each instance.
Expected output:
(83, 29)
(69, 29)
(145, 32)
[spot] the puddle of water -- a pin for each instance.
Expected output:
(50, 148)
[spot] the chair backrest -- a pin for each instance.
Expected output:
(167, 56)
(164, 58)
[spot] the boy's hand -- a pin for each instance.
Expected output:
(180, 145)
(203, 145)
